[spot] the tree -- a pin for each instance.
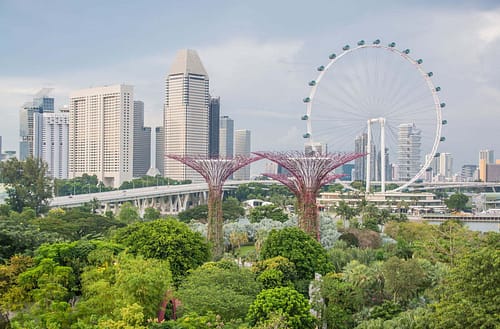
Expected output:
(27, 184)
(275, 272)
(236, 239)
(128, 213)
(470, 295)
(45, 291)
(166, 239)
(284, 302)
(231, 210)
(447, 241)
(341, 300)
(267, 211)
(151, 214)
(221, 288)
(75, 224)
(9, 288)
(195, 213)
(109, 289)
(301, 249)
(345, 211)
(456, 202)
(403, 278)
(21, 237)
(368, 278)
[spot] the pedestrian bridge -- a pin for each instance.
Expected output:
(168, 199)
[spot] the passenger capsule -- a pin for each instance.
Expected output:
(406, 51)
(392, 44)
(376, 42)
(420, 61)
(430, 74)
(346, 47)
(442, 105)
(437, 155)
(361, 42)
(437, 89)
(306, 100)
(444, 122)
(312, 83)
(442, 139)
(306, 135)
(332, 56)
(305, 117)
(321, 68)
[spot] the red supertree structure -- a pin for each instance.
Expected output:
(307, 173)
(215, 171)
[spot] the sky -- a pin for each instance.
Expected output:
(259, 55)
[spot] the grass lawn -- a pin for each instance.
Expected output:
(244, 250)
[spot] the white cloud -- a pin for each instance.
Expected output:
(490, 30)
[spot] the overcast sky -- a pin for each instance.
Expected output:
(259, 56)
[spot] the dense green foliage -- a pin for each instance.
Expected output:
(457, 202)
(271, 193)
(27, 184)
(72, 268)
(166, 239)
(231, 210)
(470, 297)
(79, 185)
(301, 249)
(268, 211)
(222, 288)
(284, 302)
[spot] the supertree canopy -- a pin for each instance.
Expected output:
(307, 173)
(215, 171)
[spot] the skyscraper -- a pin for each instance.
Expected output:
(242, 146)
(101, 133)
(160, 149)
(446, 165)
(467, 172)
(41, 104)
(213, 127)
(226, 137)
(408, 151)
(186, 113)
(485, 157)
(142, 142)
(316, 147)
(433, 168)
(361, 146)
(51, 141)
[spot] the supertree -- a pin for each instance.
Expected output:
(215, 171)
(307, 173)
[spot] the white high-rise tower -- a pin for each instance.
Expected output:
(408, 151)
(186, 113)
(101, 133)
(242, 146)
(51, 132)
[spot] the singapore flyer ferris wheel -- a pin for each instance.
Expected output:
(378, 100)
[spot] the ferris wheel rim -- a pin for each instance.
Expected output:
(417, 64)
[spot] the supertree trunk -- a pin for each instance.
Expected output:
(215, 172)
(307, 173)
(215, 233)
(308, 214)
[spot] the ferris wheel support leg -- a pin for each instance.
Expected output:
(368, 156)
